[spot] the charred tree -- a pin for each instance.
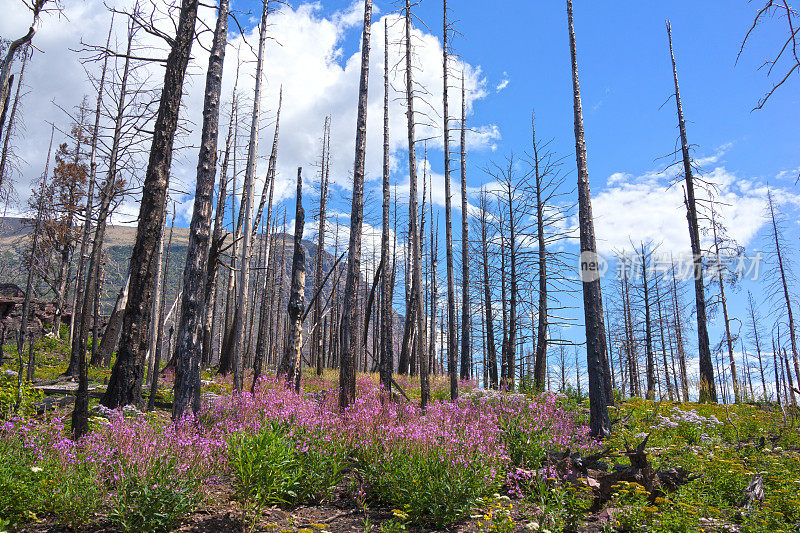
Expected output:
(708, 391)
(125, 385)
(349, 325)
(386, 365)
(592, 298)
(190, 331)
(289, 369)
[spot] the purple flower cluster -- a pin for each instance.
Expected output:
(474, 429)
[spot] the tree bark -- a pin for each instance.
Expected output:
(246, 211)
(489, 320)
(448, 217)
(195, 274)
(125, 385)
(387, 353)
(26, 303)
(708, 391)
(289, 369)
(349, 326)
(465, 314)
(592, 298)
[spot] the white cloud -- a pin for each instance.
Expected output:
(304, 55)
(503, 83)
(641, 208)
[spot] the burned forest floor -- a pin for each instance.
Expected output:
(277, 461)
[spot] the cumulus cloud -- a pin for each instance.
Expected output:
(645, 207)
(305, 56)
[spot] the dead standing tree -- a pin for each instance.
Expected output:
(466, 352)
(781, 276)
(36, 6)
(125, 385)
(289, 368)
(349, 325)
(317, 340)
(246, 211)
(491, 351)
(592, 298)
(451, 302)
(189, 343)
(386, 365)
(26, 303)
(708, 391)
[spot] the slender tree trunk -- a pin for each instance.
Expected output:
(708, 392)
(592, 299)
(721, 282)
(648, 333)
(785, 287)
(125, 385)
(158, 304)
(246, 211)
(349, 325)
(318, 337)
(26, 303)
(195, 274)
(540, 363)
(12, 116)
(465, 314)
(451, 302)
(387, 353)
(160, 324)
(487, 294)
(289, 369)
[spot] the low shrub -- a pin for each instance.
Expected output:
(273, 467)
(22, 494)
(435, 486)
(154, 499)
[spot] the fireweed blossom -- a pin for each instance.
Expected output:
(475, 431)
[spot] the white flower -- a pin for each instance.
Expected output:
(36, 469)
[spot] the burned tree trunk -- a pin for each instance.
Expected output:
(125, 385)
(26, 303)
(489, 320)
(190, 331)
(317, 339)
(87, 224)
(289, 369)
(592, 298)
(784, 285)
(465, 315)
(540, 362)
(246, 213)
(708, 391)
(448, 222)
(650, 394)
(12, 116)
(387, 353)
(349, 325)
(724, 301)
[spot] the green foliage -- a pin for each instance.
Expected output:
(22, 494)
(154, 500)
(8, 397)
(74, 494)
(424, 482)
(272, 469)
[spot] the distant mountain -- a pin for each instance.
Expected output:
(118, 246)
